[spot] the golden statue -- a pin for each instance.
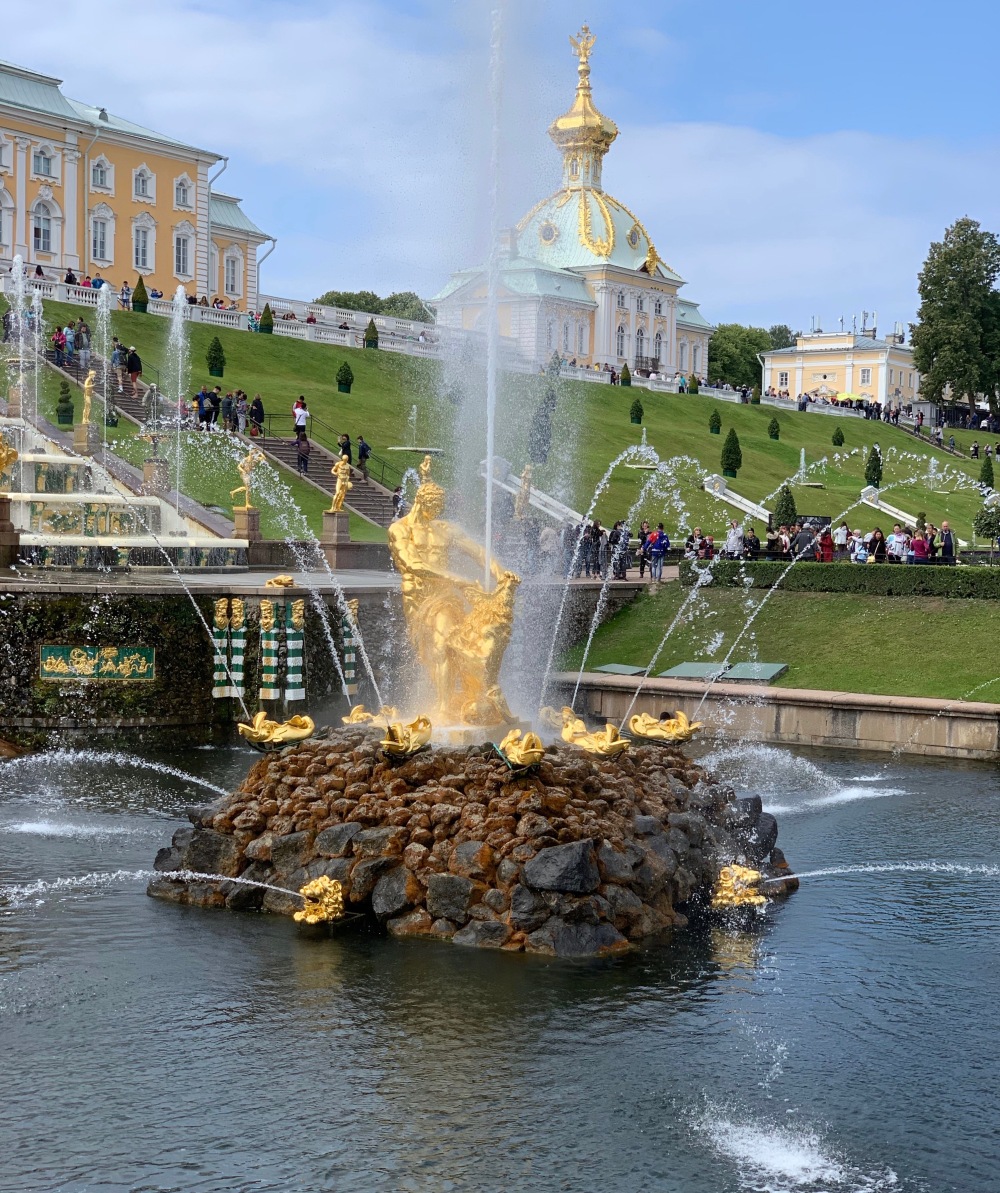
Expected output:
(298, 614)
(359, 715)
(522, 502)
(522, 752)
(324, 901)
(582, 44)
(238, 617)
(460, 631)
(737, 887)
(678, 729)
(221, 613)
(608, 743)
(342, 471)
(273, 733)
(267, 616)
(245, 467)
(403, 740)
(280, 582)
(8, 455)
(88, 395)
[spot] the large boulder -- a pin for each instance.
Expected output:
(569, 867)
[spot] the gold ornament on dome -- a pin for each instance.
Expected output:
(608, 743)
(522, 752)
(738, 887)
(262, 731)
(458, 629)
(280, 582)
(359, 715)
(548, 233)
(324, 901)
(403, 740)
(677, 729)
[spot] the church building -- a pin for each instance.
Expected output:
(580, 275)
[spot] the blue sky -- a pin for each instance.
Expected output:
(789, 160)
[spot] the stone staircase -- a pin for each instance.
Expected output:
(367, 498)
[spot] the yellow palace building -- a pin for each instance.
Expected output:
(825, 364)
(87, 191)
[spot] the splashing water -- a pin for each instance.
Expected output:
(493, 284)
(954, 868)
(105, 758)
(22, 894)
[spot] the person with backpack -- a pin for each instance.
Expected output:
(302, 449)
(657, 544)
(59, 346)
(364, 454)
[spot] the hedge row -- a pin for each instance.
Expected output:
(877, 579)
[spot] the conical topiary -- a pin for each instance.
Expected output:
(635, 411)
(785, 513)
(715, 422)
(773, 429)
(873, 469)
(626, 376)
(345, 378)
(266, 326)
(215, 358)
(64, 407)
(140, 299)
(692, 384)
(838, 438)
(755, 396)
(371, 334)
(732, 456)
(986, 473)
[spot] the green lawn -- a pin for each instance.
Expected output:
(590, 427)
(904, 646)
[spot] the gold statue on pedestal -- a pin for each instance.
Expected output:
(677, 729)
(8, 455)
(522, 502)
(460, 631)
(88, 395)
(342, 471)
(245, 467)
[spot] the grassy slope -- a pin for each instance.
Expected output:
(891, 645)
(591, 426)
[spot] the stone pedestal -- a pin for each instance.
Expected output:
(155, 478)
(10, 539)
(86, 439)
(246, 524)
(14, 401)
(335, 536)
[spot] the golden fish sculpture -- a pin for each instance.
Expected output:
(522, 752)
(737, 887)
(280, 582)
(324, 901)
(678, 729)
(359, 715)
(263, 732)
(401, 741)
(608, 743)
(549, 717)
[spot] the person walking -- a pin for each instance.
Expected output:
(947, 545)
(344, 443)
(300, 414)
(302, 449)
(658, 545)
(643, 557)
(257, 415)
(133, 366)
(364, 454)
(242, 409)
(59, 346)
(397, 502)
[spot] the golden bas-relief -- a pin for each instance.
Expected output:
(459, 630)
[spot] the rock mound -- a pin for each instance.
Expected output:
(580, 857)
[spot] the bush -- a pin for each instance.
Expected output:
(64, 406)
(692, 384)
(873, 469)
(140, 298)
(345, 374)
(921, 523)
(715, 422)
(215, 357)
(635, 411)
(838, 438)
(885, 579)
(371, 334)
(987, 522)
(732, 456)
(773, 429)
(267, 320)
(540, 431)
(785, 513)
(986, 473)
(755, 397)
(625, 377)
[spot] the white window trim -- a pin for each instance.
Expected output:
(150, 196)
(189, 232)
(102, 212)
(782, 380)
(49, 151)
(189, 183)
(6, 219)
(233, 253)
(6, 154)
(862, 379)
(148, 224)
(109, 170)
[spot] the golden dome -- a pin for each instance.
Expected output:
(583, 129)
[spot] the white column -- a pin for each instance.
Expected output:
(672, 334)
(883, 380)
(766, 379)
(798, 376)
(849, 375)
(71, 251)
(201, 224)
(21, 198)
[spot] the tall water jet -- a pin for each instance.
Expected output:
(493, 283)
(37, 329)
(178, 366)
(102, 332)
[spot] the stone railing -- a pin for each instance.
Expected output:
(335, 316)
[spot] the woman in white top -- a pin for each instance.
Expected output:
(300, 413)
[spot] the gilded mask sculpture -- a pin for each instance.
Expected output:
(459, 630)
(266, 616)
(8, 455)
(324, 901)
(677, 729)
(298, 614)
(738, 887)
(221, 614)
(238, 618)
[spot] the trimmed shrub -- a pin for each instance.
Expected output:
(625, 377)
(986, 473)
(921, 521)
(886, 579)
(267, 320)
(773, 429)
(692, 384)
(785, 513)
(715, 422)
(345, 378)
(140, 299)
(987, 522)
(371, 334)
(755, 397)
(215, 358)
(838, 438)
(64, 406)
(635, 411)
(732, 455)
(873, 469)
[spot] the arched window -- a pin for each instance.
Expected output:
(232, 270)
(565, 337)
(695, 358)
(640, 343)
(550, 334)
(658, 345)
(99, 174)
(682, 357)
(621, 341)
(144, 184)
(574, 168)
(42, 162)
(580, 340)
(41, 228)
(621, 302)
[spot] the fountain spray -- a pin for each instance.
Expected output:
(493, 286)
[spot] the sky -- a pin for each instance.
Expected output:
(791, 161)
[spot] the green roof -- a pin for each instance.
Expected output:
(22, 88)
(524, 275)
(225, 212)
(690, 316)
(92, 115)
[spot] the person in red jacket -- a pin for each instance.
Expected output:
(826, 546)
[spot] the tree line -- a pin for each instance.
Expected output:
(733, 351)
(404, 304)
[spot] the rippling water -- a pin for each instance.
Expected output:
(845, 1044)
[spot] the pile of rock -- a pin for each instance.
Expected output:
(579, 857)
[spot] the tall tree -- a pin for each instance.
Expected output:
(873, 469)
(405, 304)
(781, 335)
(733, 351)
(352, 300)
(956, 339)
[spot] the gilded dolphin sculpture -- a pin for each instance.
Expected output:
(262, 731)
(359, 715)
(522, 751)
(678, 729)
(402, 740)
